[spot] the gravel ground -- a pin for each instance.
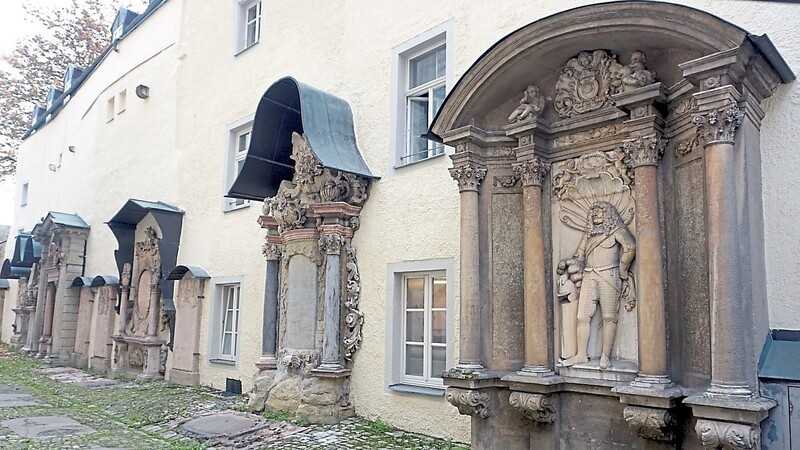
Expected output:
(150, 415)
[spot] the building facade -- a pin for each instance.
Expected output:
(570, 224)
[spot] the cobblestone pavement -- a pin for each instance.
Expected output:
(44, 407)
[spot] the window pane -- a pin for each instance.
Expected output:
(439, 327)
(251, 34)
(438, 98)
(415, 326)
(438, 361)
(251, 12)
(418, 118)
(415, 293)
(440, 292)
(228, 321)
(226, 344)
(414, 360)
(244, 142)
(425, 67)
(441, 61)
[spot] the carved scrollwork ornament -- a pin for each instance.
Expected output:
(505, 181)
(470, 402)
(727, 436)
(531, 172)
(468, 176)
(718, 125)
(651, 423)
(288, 212)
(271, 252)
(536, 407)
(645, 150)
(354, 318)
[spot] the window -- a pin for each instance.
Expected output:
(224, 345)
(239, 142)
(110, 109)
(424, 327)
(420, 325)
(122, 99)
(248, 28)
(23, 195)
(421, 78)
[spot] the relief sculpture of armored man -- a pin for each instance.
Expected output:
(597, 276)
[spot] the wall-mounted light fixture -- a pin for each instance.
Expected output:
(142, 91)
(71, 148)
(53, 167)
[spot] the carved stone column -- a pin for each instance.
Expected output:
(331, 245)
(645, 152)
(125, 291)
(469, 176)
(716, 129)
(155, 306)
(47, 328)
(538, 360)
(269, 330)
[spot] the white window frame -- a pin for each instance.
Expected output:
(222, 286)
(401, 57)
(232, 157)
(397, 274)
(242, 24)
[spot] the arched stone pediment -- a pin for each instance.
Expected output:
(669, 35)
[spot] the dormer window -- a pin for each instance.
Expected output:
(122, 22)
(72, 73)
(52, 95)
(116, 33)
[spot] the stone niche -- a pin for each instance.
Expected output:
(312, 264)
(148, 234)
(610, 202)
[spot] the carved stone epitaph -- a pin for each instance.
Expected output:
(468, 176)
(470, 402)
(588, 81)
(727, 436)
(536, 407)
(651, 423)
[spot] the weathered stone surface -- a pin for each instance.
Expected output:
(225, 423)
(12, 400)
(507, 290)
(46, 427)
(301, 304)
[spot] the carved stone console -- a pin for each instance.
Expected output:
(475, 403)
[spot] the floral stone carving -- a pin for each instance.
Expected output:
(536, 407)
(645, 150)
(354, 319)
(588, 81)
(531, 172)
(470, 402)
(530, 107)
(651, 423)
(468, 176)
(727, 436)
(718, 125)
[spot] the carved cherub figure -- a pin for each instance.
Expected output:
(531, 105)
(599, 270)
(635, 75)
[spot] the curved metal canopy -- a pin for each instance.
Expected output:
(105, 280)
(81, 281)
(289, 106)
(27, 252)
(179, 272)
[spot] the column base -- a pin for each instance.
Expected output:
(645, 381)
(536, 371)
(330, 370)
(725, 390)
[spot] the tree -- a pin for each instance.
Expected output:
(73, 33)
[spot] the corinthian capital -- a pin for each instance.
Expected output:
(531, 171)
(468, 176)
(723, 435)
(645, 150)
(331, 244)
(718, 124)
(272, 252)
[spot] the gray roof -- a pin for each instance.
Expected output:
(67, 220)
